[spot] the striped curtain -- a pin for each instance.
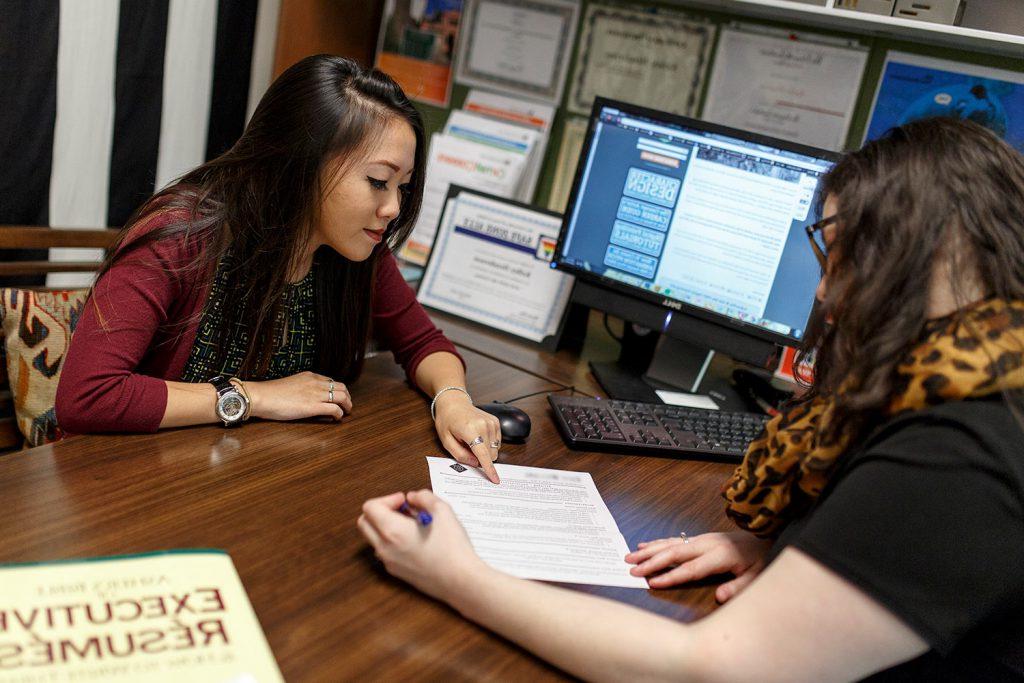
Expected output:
(106, 101)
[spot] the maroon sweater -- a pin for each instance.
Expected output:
(127, 341)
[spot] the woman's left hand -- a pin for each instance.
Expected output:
(437, 559)
(472, 436)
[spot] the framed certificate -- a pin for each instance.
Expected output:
(656, 60)
(491, 265)
(520, 47)
(799, 87)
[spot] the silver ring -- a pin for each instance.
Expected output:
(330, 396)
(682, 535)
(476, 442)
(495, 444)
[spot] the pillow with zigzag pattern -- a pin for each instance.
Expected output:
(37, 329)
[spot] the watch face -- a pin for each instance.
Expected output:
(231, 407)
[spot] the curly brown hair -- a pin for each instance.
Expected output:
(933, 194)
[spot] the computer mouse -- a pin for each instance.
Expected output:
(515, 423)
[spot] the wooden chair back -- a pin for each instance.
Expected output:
(30, 237)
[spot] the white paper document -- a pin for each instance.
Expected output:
(679, 398)
(787, 86)
(543, 524)
(456, 161)
(491, 263)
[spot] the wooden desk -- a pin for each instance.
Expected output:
(563, 367)
(282, 499)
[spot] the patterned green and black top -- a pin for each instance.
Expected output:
(296, 353)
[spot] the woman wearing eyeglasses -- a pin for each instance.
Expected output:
(881, 519)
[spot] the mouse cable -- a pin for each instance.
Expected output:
(608, 329)
(570, 388)
(561, 387)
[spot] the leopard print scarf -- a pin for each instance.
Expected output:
(787, 467)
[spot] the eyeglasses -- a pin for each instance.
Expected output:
(819, 248)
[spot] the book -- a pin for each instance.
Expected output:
(164, 616)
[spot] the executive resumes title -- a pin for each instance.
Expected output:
(106, 629)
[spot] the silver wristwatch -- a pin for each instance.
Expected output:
(232, 405)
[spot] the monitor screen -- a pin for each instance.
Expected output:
(698, 218)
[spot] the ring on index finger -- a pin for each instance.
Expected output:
(682, 535)
(476, 442)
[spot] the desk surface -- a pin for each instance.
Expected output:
(282, 500)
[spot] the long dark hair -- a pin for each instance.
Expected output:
(258, 203)
(933, 193)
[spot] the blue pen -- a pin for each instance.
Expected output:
(422, 515)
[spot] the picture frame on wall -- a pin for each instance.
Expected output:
(657, 59)
(518, 47)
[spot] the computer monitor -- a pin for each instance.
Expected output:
(694, 230)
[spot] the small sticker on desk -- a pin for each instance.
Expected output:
(458, 468)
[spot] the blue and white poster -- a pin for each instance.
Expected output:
(915, 87)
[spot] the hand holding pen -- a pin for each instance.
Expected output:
(419, 540)
(422, 515)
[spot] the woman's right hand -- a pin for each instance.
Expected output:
(738, 552)
(437, 559)
(306, 394)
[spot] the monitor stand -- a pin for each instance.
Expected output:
(650, 361)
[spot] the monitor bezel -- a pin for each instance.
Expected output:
(660, 300)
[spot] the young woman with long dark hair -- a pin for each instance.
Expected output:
(252, 285)
(882, 516)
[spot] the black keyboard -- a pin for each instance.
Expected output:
(654, 428)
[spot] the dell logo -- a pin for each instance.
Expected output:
(672, 304)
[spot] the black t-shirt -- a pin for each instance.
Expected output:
(928, 519)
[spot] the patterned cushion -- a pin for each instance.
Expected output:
(37, 328)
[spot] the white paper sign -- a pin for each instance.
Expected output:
(491, 264)
(788, 87)
(543, 524)
(518, 46)
(459, 162)
(657, 60)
